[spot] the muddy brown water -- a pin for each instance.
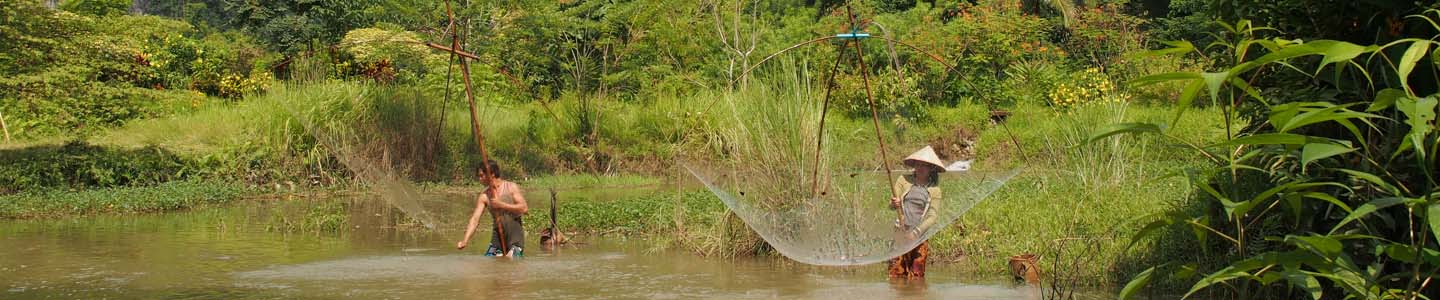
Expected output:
(271, 250)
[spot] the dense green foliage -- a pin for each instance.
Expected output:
(65, 73)
(80, 165)
(1330, 190)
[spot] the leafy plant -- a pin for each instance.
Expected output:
(1084, 88)
(1314, 197)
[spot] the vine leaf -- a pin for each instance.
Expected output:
(1140, 281)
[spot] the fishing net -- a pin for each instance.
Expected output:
(818, 196)
(349, 123)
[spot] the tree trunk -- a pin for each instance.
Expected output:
(52, 4)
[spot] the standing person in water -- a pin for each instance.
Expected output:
(507, 204)
(918, 194)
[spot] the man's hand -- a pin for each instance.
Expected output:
(461, 245)
(894, 202)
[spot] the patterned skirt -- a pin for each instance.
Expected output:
(912, 264)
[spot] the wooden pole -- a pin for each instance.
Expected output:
(4, 128)
(554, 226)
(824, 110)
(475, 121)
(874, 114)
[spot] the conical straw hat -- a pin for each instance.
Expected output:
(927, 155)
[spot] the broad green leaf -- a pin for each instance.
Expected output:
(1338, 113)
(1228, 204)
(1318, 151)
(1272, 139)
(1325, 245)
(1202, 235)
(1236, 270)
(1187, 98)
(1339, 52)
(1385, 99)
(1366, 209)
(1292, 204)
(1213, 81)
(1305, 282)
(1164, 219)
(1407, 62)
(1403, 253)
(1214, 278)
(1288, 52)
(1140, 281)
(1328, 198)
(1432, 214)
(1281, 114)
(1275, 190)
(1409, 254)
(1419, 113)
(1186, 271)
(1373, 179)
(1123, 128)
(1176, 47)
(1159, 78)
(1249, 90)
(1244, 208)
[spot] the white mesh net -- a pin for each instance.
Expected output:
(825, 204)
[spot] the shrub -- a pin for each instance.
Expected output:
(387, 55)
(78, 165)
(1084, 88)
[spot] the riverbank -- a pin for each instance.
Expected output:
(169, 196)
(1074, 204)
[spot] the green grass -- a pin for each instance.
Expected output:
(1076, 204)
(168, 196)
(691, 220)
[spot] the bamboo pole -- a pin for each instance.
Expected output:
(475, 120)
(4, 128)
(874, 113)
(824, 110)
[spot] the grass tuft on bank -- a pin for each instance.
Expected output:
(169, 196)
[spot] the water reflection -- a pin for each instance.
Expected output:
(909, 288)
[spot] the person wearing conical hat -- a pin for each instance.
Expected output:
(918, 194)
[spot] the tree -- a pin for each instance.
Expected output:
(291, 25)
(96, 7)
(738, 28)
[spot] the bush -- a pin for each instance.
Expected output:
(96, 7)
(1101, 35)
(388, 55)
(78, 165)
(228, 65)
(74, 74)
(1084, 88)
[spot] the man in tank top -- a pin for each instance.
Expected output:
(507, 204)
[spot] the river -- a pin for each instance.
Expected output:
(283, 249)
